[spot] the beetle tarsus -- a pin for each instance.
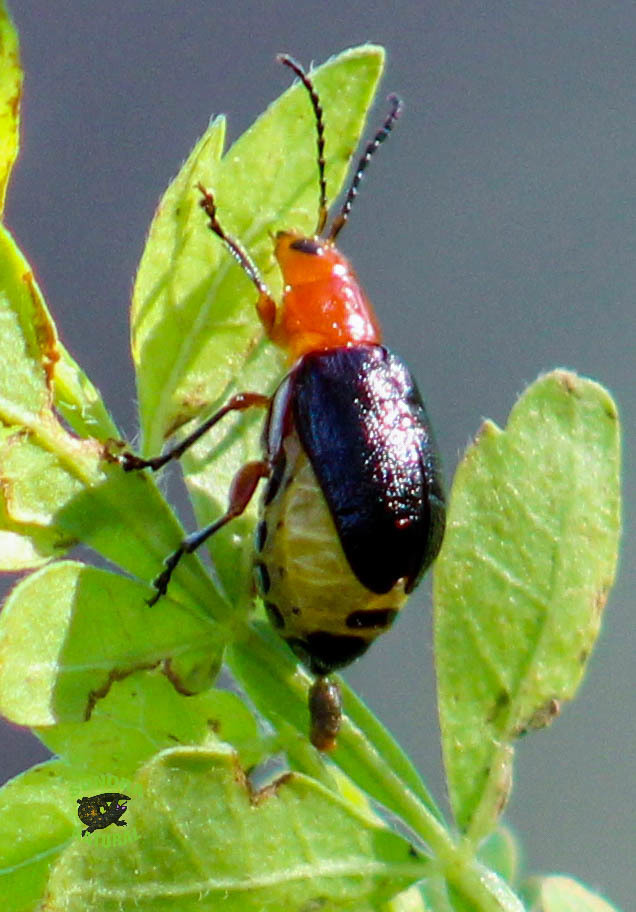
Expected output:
(131, 463)
(161, 582)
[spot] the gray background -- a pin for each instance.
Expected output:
(496, 235)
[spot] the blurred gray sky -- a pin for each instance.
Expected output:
(495, 234)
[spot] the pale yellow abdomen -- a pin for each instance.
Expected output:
(301, 569)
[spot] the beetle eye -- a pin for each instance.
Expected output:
(306, 245)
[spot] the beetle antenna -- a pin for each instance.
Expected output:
(241, 256)
(320, 134)
(378, 139)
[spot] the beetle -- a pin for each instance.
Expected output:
(353, 507)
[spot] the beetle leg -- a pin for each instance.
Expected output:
(237, 403)
(241, 492)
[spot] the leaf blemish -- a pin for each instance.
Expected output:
(269, 791)
(44, 331)
(600, 600)
(257, 796)
(175, 680)
(568, 381)
(543, 716)
(501, 702)
(117, 674)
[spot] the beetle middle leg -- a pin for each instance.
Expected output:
(241, 492)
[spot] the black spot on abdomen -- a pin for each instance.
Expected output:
(275, 478)
(276, 619)
(324, 652)
(261, 535)
(372, 619)
(263, 580)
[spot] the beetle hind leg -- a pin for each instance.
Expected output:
(241, 492)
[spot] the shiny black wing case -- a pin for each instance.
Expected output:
(363, 425)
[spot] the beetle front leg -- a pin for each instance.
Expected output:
(241, 492)
(237, 403)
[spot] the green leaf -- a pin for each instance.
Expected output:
(521, 582)
(28, 340)
(563, 894)
(193, 319)
(211, 464)
(42, 466)
(38, 820)
(411, 900)
(168, 294)
(29, 350)
(500, 852)
(125, 518)
(207, 840)
(10, 92)
(143, 714)
(68, 631)
(79, 402)
(25, 541)
(36, 372)
(57, 489)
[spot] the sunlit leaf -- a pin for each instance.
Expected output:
(500, 852)
(78, 400)
(520, 585)
(69, 631)
(144, 713)
(42, 466)
(38, 820)
(293, 845)
(28, 340)
(10, 91)
(193, 318)
(564, 894)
